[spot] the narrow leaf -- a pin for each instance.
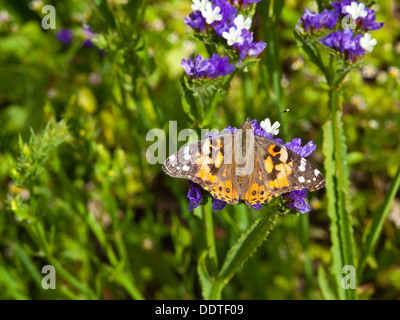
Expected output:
(373, 233)
(323, 282)
(246, 246)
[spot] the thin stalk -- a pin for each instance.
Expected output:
(208, 220)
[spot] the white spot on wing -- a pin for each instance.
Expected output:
(185, 168)
(172, 158)
(301, 179)
(316, 172)
(302, 168)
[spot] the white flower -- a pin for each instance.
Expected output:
(356, 10)
(233, 36)
(367, 43)
(266, 125)
(211, 14)
(199, 5)
(240, 23)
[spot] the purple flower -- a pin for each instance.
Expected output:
(230, 129)
(297, 200)
(196, 21)
(259, 131)
(344, 42)
(228, 11)
(218, 204)
(211, 134)
(338, 5)
(369, 22)
(305, 151)
(211, 68)
(194, 195)
(244, 2)
(312, 21)
(65, 36)
(221, 27)
(365, 24)
(248, 47)
(257, 206)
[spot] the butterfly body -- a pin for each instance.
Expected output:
(243, 166)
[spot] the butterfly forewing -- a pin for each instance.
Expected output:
(208, 162)
(284, 170)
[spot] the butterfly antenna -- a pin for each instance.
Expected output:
(284, 111)
(220, 91)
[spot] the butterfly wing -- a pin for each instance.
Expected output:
(209, 163)
(254, 190)
(283, 170)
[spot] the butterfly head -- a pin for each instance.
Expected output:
(246, 124)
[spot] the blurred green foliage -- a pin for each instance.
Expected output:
(76, 189)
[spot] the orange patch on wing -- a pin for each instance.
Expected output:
(211, 178)
(271, 150)
(204, 171)
(269, 166)
(224, 191)
(274, 184)
(285, 170)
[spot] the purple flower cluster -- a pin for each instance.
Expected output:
(312, 21)
(365, 24)
(219, 17)
(351, 43)
(344, 42)
(248, 47)
(210, 68)
(296, 199)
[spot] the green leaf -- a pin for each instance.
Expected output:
(307, 45)
(105, 12)
(372, 234)
(204, 277)
(323, 282)
(188, 101)
(246, 246)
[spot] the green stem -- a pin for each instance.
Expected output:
(341, 187)
(212, 250)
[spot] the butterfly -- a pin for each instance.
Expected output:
(240, 165)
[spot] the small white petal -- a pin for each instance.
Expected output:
(211, 14)
(266, 125)
(367, 43)
(199, 5)
(233, 36)
(356, 10)
(241, 23)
